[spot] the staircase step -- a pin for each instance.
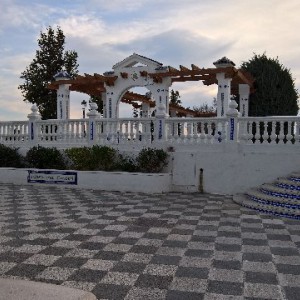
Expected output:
(267, 207)
(289, 181)
(280, 198)
(274, 190)
(257, 194)
(295, 176)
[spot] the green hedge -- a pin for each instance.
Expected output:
(10, 157)
(45, 158)
(96, 158)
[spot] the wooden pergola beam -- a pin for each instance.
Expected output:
(195, 68)
(183, 68)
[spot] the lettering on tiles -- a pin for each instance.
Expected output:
(231, 129)
(160, 129)
(222, 104)
(52, 177)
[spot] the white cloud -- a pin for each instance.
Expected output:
(173, 32)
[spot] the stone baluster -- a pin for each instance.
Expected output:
(265, 135)
(273, 135)
(290, 130)
(281, 134)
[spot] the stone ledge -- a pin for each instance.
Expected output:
(23, 290)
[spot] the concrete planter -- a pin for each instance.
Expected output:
(97, 180)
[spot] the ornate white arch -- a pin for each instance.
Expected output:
(134, 72)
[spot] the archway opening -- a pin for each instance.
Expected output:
(131, 106)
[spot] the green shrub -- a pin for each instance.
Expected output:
(79, 158)
(96, 158)
(104, 158)
(126, 164)
(10, 158)
(45, 158)
(152, 160)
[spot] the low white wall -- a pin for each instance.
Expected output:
(227, 169)
(233, 168)
(109, 181)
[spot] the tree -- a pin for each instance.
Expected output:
(275, 92)
(175, 97)
(98, 100)
(206, 108)
(49, 60)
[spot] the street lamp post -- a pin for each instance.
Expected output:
(84, 104)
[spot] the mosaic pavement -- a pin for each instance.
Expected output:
(138, 246)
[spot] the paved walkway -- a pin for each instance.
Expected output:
(138, 246)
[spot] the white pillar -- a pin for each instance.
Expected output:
(145, 110)
(232, 115)
(63, 96)
(92, 115)
(161, 116)
(244, 92)
(223, 97)
(32, 118)
(160, 93)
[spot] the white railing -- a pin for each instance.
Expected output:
(124, 131)
(269, 130)
(197, 130)
(176, 131)
(62, 131)
(14, 132)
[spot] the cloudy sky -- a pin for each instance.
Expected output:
(173, 32)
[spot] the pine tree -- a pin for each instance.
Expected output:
(275, 93)
(49, 60)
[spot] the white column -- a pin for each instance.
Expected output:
(232, 115)
(223, 97)
(32, 129)
(160, 93)
(145, 110)
(63, 96)
(92, 115)
(161, 116)
(63, 102)
(244, 92)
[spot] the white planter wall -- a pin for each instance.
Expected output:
(227, 169)
(108, 181)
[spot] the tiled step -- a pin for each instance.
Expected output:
(295, 176)
(281, 198)
(276, 191)
(257, 195)
(288, 183)
(267, 207)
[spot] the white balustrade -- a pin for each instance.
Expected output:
(270, 130)
(196, 130)
(179, 131)
(14, 132)
(62, 131)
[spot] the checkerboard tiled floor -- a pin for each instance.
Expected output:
(139, 246)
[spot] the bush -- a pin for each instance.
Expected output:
(45, 158)
(104, 158)
(96, 158)
(126, 164)
(152, 160)
(10, 158)
(79, 158)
